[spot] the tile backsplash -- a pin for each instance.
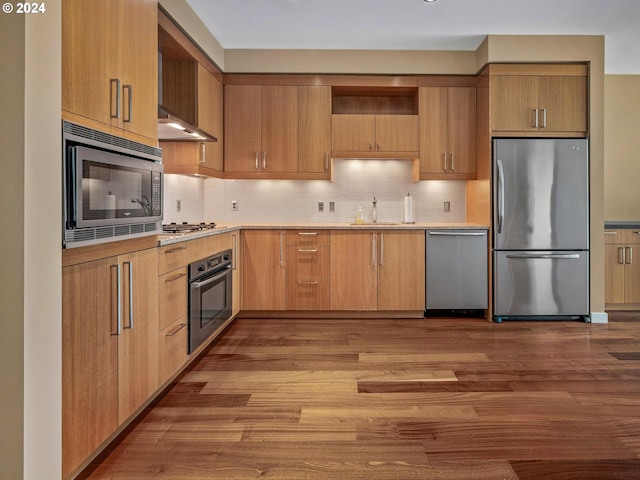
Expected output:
(355, 183)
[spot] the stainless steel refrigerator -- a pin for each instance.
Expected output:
(540, 228)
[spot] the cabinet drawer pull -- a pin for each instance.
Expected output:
(172, 333)
(174, 250)
(175, 277)
(610, 233)
(307, 282)
(307, 250)
(307, 233)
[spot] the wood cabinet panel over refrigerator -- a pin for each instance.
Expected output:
(539, 100)
(109, 66)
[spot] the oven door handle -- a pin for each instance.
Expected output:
(212, 279)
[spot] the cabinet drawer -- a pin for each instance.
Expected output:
(612, 237)
(631, 236)
(172, 291)
(172, 349)
(307, 278)
(307, 237)
(171, 257)
(204, 247)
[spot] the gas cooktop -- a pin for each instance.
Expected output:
(186, 227)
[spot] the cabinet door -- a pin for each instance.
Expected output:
(562, 104)
(315, 129)
(89, 359)
(90, 60)
(138, 65)
(614, 274)
(209, 103)
(353, 133)
(434, 140)
(514, 100)
(401, 270)
(353, 270)
(279, 129)
(137, 368)
(242, 124)
(461, 114)
(263, 270)
(396, 133)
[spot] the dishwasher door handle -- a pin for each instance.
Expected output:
(458, 234)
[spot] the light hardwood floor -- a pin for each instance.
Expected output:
(394, 400)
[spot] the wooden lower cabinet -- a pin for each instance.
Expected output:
(263, 270)
(622, 267)
(401, 270)
(109, 312)
(377, 270)
(353, 268)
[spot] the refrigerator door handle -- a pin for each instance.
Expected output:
(554, 256)
(500, 195)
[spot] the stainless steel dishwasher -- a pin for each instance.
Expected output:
(456, 270)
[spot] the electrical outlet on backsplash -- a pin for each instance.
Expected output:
(355, 183)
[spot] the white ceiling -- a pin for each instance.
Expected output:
(417, 25)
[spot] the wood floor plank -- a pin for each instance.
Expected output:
(402, 399)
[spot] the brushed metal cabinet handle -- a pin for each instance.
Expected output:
(264, 161)
(307, 282)
(326, 161)
(257, 160)
(115, 81)
(175, 277)
(453, 163)
(129, 88)
(203, 153)
(629, 256)
(535, 118)
(118, 301)
(130, 264)
(444, 162)
(621, 259)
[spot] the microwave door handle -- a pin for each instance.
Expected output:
(211, 279)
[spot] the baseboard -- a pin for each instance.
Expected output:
(599, 317)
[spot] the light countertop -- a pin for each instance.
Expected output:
(225, 227)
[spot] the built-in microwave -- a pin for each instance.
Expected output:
(112, 187)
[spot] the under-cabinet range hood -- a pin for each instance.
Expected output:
(172, 128)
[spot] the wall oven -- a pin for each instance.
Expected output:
(112, 187)
(210, 296)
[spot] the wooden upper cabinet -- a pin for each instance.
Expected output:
(109, 66)
(447, 133)
(374, 122)
(375, 135)
(261, 128)
(192, 158)
(539, 100)
(314, 134)
(193, 94)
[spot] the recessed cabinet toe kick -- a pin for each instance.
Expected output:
(456, 270)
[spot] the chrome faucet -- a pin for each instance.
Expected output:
(375, 210)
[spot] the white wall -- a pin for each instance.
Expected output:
(355, 183)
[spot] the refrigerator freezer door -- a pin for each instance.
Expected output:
(541, 194)
(544, 283)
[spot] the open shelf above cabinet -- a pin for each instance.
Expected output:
(360, 100)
